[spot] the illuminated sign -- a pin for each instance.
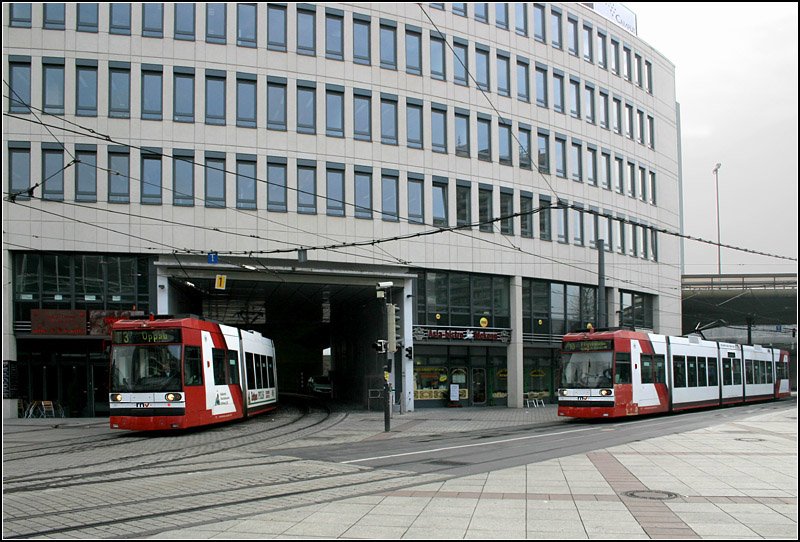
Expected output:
(432, 333)
(586, 346)
(58, 322)
(146, 336)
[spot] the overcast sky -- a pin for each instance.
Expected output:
(736, 82)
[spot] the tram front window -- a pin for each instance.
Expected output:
(146, 368)
(586, 370)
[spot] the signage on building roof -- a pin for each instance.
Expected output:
(434, 333)
(616, 13)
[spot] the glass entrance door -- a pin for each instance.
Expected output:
(478, 386)
(99, 390)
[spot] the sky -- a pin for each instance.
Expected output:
(736, 83)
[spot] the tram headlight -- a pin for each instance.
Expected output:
(605, 393)
(116, 397)
(173, 397)
(562, 392)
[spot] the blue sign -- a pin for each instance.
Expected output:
(213, 257)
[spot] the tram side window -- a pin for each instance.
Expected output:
(702, 375)
(218, 363)
(737, 371)
(766, 372)
(727, 372)
(271, 372)
(647, 369)
(192, 366)
(259, 374)
(713, 379)
(770, 371)
(251, 375)
(679, 371)
(233, 366)
(622, 371)
(691, 366)
(748, 371)
(660, 372)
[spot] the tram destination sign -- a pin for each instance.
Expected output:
(586, 346)
(433, 333)
(147, 336)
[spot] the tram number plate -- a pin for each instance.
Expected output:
(582, 398)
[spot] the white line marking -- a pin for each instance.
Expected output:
(465, 446)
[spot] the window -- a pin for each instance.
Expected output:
(482, 12)
(572, 36)
(362, 115)
(460, 62)
(602, 50)
(576, 161)
(555, 28)
(388, 38)
(19, 169)
(526, 214)
(614, 56)
(54, 16)
(588, 103)
(605, 170)
(629, 121)
(151, 176)
(363, 192)
(525, 160)
(246, 100)
(20, 14)
(182, 177)
(389, 191)
(588, 52)
(335, 189)
(642, 184)
(184, 21)
(619, 171)
(119, 89)
(504, 142)
(482, 67)
(538, 23)
(652, 188)
(276, 27)
(276, 103)
(543, 145)
(416, 199)
(439, 201)
(276, 184)
(52, 172)
(501, 15)
(558, 92)
(246, 197)
(648, 76)
(561, 157)
(521, 18)
(118, 175)
(19, 98)
(153, 20)
(87, 17)
(638, 72)
(463, 203)
(460, 8)
(631, 179)
(523, 82)
(503, 75)
(541, 86)
(152, 92)
(215, 179)
(651, 132)
(306, 187)
(306, 32)
(414, 123)
(575, 98)
(577, 226)
(414, 52)
(545, 232)
(561, 221)
(591, 165)
(216, 23)
(86, 88)
(86, 173)
(53, 85)
(506, 212)
(617, 115)
(362, 34)
(603, 110)
(334, 34)
(334, 111)
(438, 128)
(120, 19)
(306, 107)
(246, 17)
(485, 216)
(462, 133)
(627, 69)
(484, 138)
(215, 97)
(388, 119)
(437, 49)
(183, 94)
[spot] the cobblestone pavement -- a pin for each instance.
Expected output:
(74, 478)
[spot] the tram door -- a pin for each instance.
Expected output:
(478, 385)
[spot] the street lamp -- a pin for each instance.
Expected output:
(716, 182)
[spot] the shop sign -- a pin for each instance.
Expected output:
(58, 322)
(432, 333)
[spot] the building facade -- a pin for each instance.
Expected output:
(472, 154)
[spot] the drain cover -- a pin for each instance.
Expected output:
(750, 439)
(651, 494)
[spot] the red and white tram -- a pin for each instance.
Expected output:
(615, 373)
(179, 372)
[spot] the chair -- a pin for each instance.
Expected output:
(532, 400)
(48, 411)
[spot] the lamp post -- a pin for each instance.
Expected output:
(716, 182)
